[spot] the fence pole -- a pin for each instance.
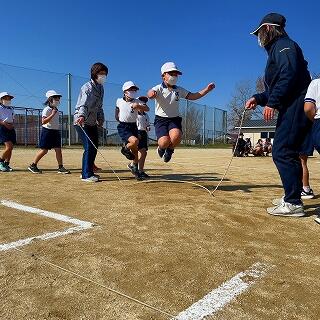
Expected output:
(214, 126)
(25, 128)
(69, 109)
(204, 126)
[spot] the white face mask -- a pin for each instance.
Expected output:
(259, 42)
(6, 103)
(55, 103)
(131, 94)
(101, 79)
(172, 80)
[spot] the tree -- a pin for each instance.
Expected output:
(243, 92)
(192, 122)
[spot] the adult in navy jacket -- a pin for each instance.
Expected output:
(286, 82)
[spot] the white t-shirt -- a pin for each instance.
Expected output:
(6, 114)
(143, 121)
(313, 95)
(54, 122)
(126, 113)
(167, 100)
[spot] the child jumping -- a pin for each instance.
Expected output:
(167, 120)
(7, 132)
(50, 133)
(126, 113)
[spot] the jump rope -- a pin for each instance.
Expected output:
(211, 193)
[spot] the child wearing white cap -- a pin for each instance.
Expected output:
(50, 133)
(167, 120)
(7, 132)
(126, 113)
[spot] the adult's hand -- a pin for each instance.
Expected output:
(268, 113)
(80, 121)
(251, 104)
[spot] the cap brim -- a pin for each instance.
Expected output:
(131, 88)
(176, 70)
(255, 32)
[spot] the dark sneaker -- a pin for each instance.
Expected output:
(307, 195)
(3, 167)
(63, 170)
(144, 175)
(167, 155)
(131, 168)
(160, 152)
(127, 153)
(8, 167)
(34, 169)
(138, 175)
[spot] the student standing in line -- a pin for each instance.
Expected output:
(50, 134)
(7, 132)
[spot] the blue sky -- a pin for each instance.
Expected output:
(209, 40)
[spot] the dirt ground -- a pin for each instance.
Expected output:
(166, 244)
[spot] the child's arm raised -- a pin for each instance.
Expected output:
(201, 93)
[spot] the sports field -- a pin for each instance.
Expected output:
(167, 245)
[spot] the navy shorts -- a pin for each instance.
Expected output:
(163, 125)
(127, 130)
(307, 146)
(50, 139)
(143, 139)
(7, 135)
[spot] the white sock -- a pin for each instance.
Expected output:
(306, 188)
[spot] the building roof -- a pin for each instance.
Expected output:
(258, 123)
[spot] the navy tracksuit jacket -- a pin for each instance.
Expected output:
(287, 79)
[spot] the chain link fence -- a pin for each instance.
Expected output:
(202, 125)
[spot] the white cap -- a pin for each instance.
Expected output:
(129, 84)
(5, 94)
(169, 66)
(52, 93)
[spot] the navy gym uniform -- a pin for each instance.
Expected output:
(287, 79)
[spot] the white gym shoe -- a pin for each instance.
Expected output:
(287, 209)
(278, 201)
(317, 220)
(91, 179)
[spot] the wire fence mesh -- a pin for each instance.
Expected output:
(202, 125)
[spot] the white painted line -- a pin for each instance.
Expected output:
(218, 298)
(80, 225)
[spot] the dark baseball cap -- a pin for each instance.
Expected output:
(273, 19)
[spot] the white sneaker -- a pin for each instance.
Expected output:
(317, 220)
(278, 201)
(287, 209)
(91, 179)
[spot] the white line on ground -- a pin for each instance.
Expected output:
(80, 225)
(224, 294)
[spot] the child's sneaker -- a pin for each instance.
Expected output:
(63, 170)
(160, 152)
(131, 167)
(167, 155)
(144, 175)
(34, 169)
(8, 167)
(3, 167)
(127, 153)
(307, 194)
(91, 179)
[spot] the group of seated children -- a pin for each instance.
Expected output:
(243, 147)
